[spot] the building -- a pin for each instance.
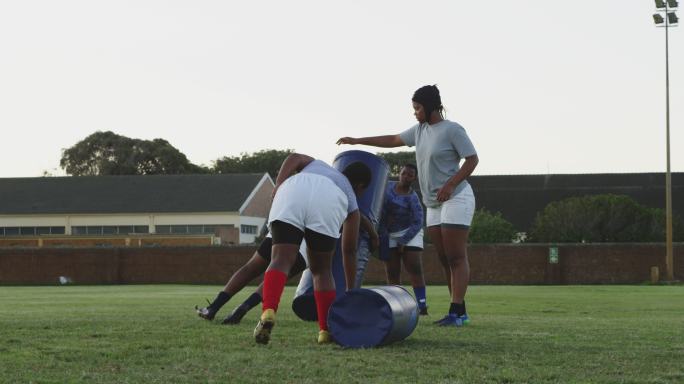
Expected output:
(231, 208)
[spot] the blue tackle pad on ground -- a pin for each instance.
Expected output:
(364, 318)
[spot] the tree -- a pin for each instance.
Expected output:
(268, 160)
(490, 227)
(600, 218)
(160, 157)
(106, 153)
(397, 159)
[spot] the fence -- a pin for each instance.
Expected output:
(490, 264)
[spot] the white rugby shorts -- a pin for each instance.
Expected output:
(307, 200)
(417, 240)
(457, 211)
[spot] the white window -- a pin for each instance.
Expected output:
(248, 229)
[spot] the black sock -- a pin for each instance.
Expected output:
(457, 309)
(252, 301)
(221, 299)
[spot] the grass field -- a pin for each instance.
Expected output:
(150, 334)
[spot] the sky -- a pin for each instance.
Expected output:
(540, 86)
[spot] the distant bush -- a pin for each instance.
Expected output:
(490, 227)
(599, 219)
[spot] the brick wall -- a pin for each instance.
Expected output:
(490, 264)
(229, 234)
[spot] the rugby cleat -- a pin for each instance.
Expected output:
(207, 313)
(423, 311)
(453, 321)
(236, 316)
(324, 337)
(262, 332)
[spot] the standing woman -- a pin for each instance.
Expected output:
(402, 223)
(440, 146)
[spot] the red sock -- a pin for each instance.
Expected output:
(324, 300)
(274, 283)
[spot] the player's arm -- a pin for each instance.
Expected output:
(350, 239)
(292, 164)
(416, 223)
(368, 226)
(466, 169)
(387, 141)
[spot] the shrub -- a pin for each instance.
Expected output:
(599, 218)
(490, 227)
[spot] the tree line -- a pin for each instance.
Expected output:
(107, 153)
(605, 218)
(590, 219)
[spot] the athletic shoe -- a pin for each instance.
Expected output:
(324, 337)
(235, 317)
(453, 321)
(207, 313)
(262, 332)
(423, 311)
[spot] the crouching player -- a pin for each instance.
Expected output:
(254, 267)
(312, 200)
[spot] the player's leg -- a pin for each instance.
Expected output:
(257, 296)
(455, 242)
(286, 241)
(413, 262)
(248, 272)
(321, 250)
(393, 267)
(362, 256)
(456, 217)
(435, 234)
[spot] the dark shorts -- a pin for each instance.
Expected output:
(410, 249)
(265, 252)
(284, 233)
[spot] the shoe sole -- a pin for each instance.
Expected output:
(447, 323)
(457, 325)
(203, 315)
(262, 332)
(327, 339)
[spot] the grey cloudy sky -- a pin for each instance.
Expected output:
(541, 86)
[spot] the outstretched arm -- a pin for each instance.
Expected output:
(387, 141)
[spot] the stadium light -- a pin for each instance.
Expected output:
(661, 4)
(672, 18)
(666, 17)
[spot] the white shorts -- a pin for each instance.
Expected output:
(307, 200)
(417, 240)
(457, 211)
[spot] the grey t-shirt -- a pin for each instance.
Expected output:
(439, 149)
(319, 167)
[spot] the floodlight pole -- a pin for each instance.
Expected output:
(669, 264)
